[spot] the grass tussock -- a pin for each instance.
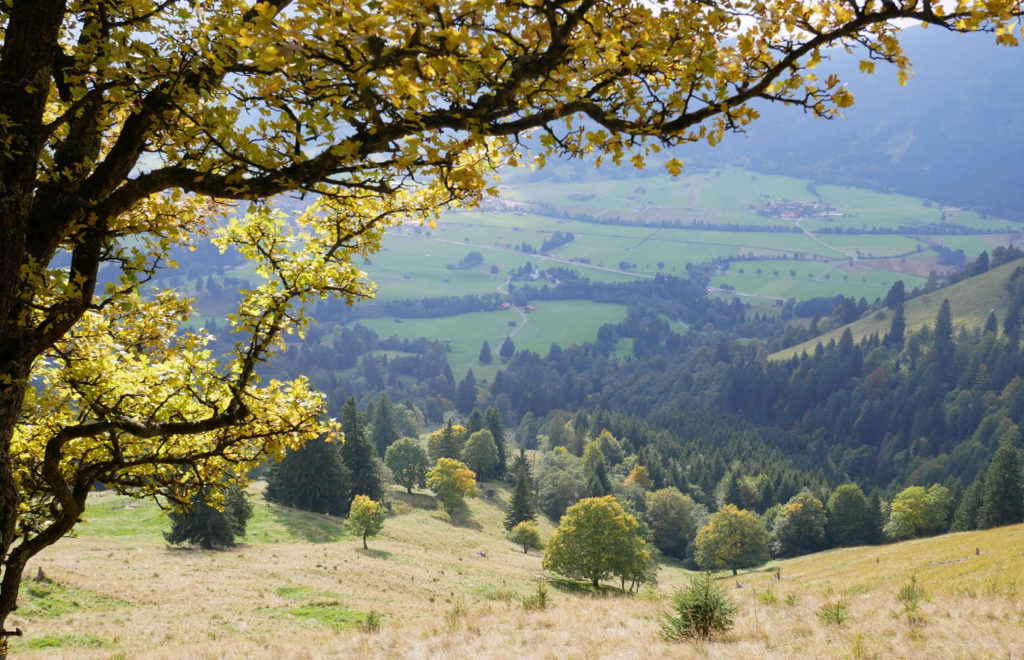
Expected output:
(440, 590)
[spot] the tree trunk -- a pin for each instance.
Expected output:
(11, 398)
(364, 543)
(734, 572)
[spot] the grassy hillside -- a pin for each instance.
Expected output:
(300, 587)
(970, 300)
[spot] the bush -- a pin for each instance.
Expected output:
(832, 613)
(539, 600)
(910, 596)
(700, 610)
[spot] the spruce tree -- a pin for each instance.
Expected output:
(384, 431)
(486, 356)
(359, 456)
(595, 475)
(507, 349)
(494, 423)
(896, 330)
(520, 507)
(208, 526)
(1003, 498)
(475, 421)
(312, 478)
(965, 518)
(991, 324)
(465, 394)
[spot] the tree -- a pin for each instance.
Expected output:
(1003, 495)
(966, 515)
(916, 511)
(127, 126)
(734, 539)
(506, 350)
(408, 462)
(674, 519)
(447, 442)
(451, 481)
(486, 356)
(896, 296)
(520, 507)
(312, 478)
(211, 524)
(595, 475)
(596, 539)
(525, 533)
(465, 394)
(494, 424)
(897, 328)
(800, 526)
(699, 610)
(359, 456)
(384, 431)
(849, 516)
(526, 432)
(366, 517)
(480, 453)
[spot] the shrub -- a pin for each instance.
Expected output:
(700, 610)
(832, 613)
(538, 600)
(910, 596)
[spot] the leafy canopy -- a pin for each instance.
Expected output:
(451, 481)
(126, 127)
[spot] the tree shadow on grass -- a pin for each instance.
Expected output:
(414, 500)
(375, 554)
(569, 586)
(461, 517)
(313, 527)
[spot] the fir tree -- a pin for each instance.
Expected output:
(991, 324)
(1003, 498)
(896, 329)
(208, 526)
(596, 483)
(312, 478)
(507, 349)
(521, 507)
(486, 356)
(359, 456)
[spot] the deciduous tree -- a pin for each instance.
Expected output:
(480, 454)
(849, 516)
(525, 533)
(408, 462)
(596, 539)
(674, 520)
(125, 127)
(734, 539)
(451, 482)
(800, 526)
(366, 517)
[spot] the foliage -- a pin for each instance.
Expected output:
(451, 481)
(910, 596)
(734, 539)
(211, 524)
(447, 442)
(526, 534)
(494, 424)
(384, 431)
(916, 511)
(312, 478)
(701, 609)
(1003, 495)
(486, 356)
(595, 474)
(596, 539)
(480, 454)
(800, 526)
(674, 519)
(639, 476)
(408, 462)
(366, 517)
(849, 517)
(559, 482)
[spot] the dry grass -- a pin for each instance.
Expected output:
(127, 595)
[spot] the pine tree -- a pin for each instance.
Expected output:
(384, 431)
(486, 356)
(494, 423)
(1003, 498)
(312, 478)
(899, 324)
(208, 526)
(991, 324)
(521, 507)
(359, 456)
